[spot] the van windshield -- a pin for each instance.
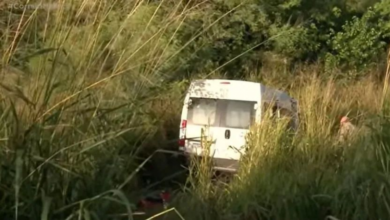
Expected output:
(221, 113)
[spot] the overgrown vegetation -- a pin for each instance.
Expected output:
(89, 87)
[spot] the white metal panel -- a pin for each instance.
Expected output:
(236, 90)
(229, 90)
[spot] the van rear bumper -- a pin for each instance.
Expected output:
(219, 164)
(227, 165)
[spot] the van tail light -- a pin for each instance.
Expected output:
(182, 142)
(182, 139)
(184, 124)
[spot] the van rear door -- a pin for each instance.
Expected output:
(235, 120)
(228, 121)
(202, 113)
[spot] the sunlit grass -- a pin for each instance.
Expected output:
(77, 93)
(310, 175)
(81, 97)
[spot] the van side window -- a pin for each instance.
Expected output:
(238, 114)
(270, 109)
(202, 111)
(286, 114)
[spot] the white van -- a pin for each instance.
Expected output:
(228, 108)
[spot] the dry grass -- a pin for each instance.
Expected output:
(77, 108)
(310, 175)
(80, 95)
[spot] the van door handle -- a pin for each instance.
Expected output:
(227, 134)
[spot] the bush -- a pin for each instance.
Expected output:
(361, 42)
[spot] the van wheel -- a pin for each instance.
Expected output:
(222, 177)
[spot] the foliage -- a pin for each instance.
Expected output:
(362, 39)
(90, 88)
(235, 36)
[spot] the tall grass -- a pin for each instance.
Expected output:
(311, 175)
(78, 102)
(81, 98)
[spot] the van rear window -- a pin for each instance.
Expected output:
(221, 113)
(202, 111)
(238, 114)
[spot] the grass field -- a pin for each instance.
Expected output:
(82, 102)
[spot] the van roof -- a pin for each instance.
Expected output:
(252, 90)
(222, 80)
(225, 89)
